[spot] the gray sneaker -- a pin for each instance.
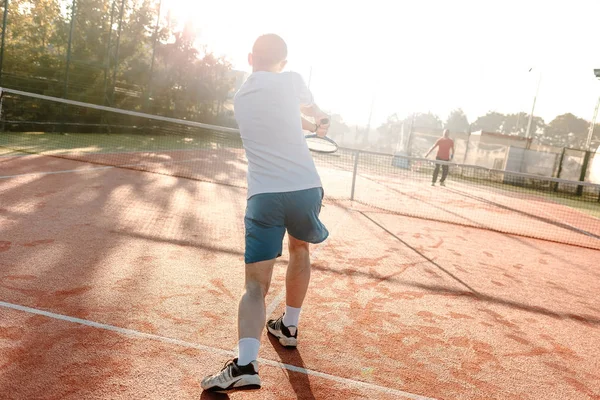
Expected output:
(287, 335)
(233, 377)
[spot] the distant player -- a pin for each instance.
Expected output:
(284, 194)
(445, 152)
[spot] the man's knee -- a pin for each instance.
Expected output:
(297, 246)
(258, 278)
(257, 289)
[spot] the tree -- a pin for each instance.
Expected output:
(395, 131)
(567, 130)
(457, 121)
(425, 120)
(35, 44)
(135, 49)
(187, 81)
(516, 124)
(490, 122)
(338, 128)
(390, 132)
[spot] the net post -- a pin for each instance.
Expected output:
(356, 155)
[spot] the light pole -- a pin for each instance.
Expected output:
(593, 123)
(532, 109)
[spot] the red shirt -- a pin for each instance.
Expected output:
(444, 145)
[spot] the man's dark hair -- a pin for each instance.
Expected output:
(268, 50)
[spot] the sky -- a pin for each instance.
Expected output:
(420, 56)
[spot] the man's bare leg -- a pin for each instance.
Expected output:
(297, 280)
(298, 273)
(252, 310)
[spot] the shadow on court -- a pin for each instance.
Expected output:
(300, 382)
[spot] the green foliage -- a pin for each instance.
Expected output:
(185, 81)
(567, 130)
(457, 121)
(425, 120)
(34, 45)
(338, 129)
(490, 122)
(510, 124)
(516, 124)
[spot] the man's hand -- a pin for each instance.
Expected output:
(323, 128)
(314, 111)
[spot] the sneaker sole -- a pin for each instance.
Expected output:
(249, 382)
(283, 340)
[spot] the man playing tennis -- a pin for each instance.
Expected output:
(445, 152)
(284, 193)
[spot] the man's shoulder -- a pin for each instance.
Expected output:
(266, 79)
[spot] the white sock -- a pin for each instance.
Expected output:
(291, 317)
(247, 350)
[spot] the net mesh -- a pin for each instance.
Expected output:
(516, 203)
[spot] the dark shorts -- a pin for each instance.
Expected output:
(269, 215)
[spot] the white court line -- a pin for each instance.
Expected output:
(212, 350)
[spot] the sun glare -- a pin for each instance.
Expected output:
(414, 56)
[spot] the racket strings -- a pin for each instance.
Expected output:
(320, 144)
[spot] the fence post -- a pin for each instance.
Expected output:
(4, 19)
(467, 146)
(117, 46)
(410, 136)
(356, 155)
(69, 45)
(560, 164)
(584, 167)
(148, 94)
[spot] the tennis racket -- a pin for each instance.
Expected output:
(320, 144)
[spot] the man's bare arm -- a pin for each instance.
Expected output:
(431, 149)
(308, 125)
(313, 111)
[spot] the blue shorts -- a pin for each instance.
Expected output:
(269, 215)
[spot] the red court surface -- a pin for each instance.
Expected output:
(119, 284)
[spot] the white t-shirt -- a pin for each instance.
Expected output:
(267, 110)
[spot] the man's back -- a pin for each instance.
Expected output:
(267, 109)
(284, 196)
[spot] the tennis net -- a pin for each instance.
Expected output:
(508, 202)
